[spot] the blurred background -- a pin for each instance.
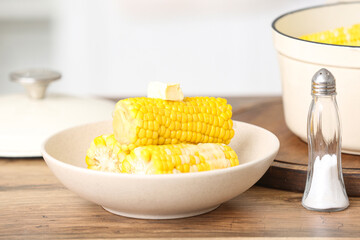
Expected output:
(114, 48)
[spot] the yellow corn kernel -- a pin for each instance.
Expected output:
(99, 141)
(90, 161)
(145, 155)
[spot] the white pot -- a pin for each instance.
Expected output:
(299, 60)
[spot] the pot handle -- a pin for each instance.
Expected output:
(35, 81)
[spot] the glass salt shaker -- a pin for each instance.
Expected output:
(325, 188)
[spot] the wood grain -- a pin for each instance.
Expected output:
(290, 166)
(34, 205)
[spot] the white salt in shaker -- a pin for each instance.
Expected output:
(325, 189)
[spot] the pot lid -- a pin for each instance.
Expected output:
(26, 121)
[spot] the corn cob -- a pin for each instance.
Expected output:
(340, 36)
(150, 121)
(179, 158)
(105, 155)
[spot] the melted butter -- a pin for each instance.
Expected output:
(165, 91)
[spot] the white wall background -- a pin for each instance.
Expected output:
(115, 47)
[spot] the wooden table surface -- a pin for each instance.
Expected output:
(34, 205)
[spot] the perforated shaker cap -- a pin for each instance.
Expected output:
(323, 83)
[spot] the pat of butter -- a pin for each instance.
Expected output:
(165, 91)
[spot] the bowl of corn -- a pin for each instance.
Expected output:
(306, 40)
(162, 159)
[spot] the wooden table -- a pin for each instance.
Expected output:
(34, 205)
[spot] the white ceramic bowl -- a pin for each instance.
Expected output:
(299, 60)
(158, 196)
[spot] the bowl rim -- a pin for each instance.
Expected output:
(205, 174)
(309, 8)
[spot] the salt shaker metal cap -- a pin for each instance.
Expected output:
(35, 81)
(323, 83)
